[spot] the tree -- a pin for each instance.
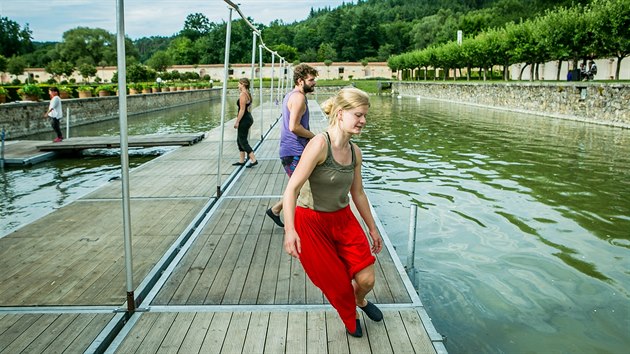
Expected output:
(57, 68)
(94, 45)
(181, 51)
(196, 26)
(87, 70)
(13, 39)
(286, 51)
(3, 63)
(611, 27)
(160, 61)
(326, 52)
(16, 65)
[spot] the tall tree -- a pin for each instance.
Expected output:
(196, 26)
(13, 39)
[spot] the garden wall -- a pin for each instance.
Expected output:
(586, 101)
(24, 118)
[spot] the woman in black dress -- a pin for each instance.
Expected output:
(244, 121)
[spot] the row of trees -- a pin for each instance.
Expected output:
(600, 29)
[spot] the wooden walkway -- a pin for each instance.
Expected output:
(30, 152)
(210, 273)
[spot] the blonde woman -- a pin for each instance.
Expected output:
(244, 121)
(320, 228)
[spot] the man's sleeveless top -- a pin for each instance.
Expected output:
(329, 184)
(291, 144)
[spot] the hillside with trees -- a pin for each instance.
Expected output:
(367, 30)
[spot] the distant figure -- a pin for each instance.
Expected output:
(294, 132)
(244, 121)
(320, 227)
(583, 73)
(55, 112)
(592, 70)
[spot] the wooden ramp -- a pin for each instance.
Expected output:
(210, 273)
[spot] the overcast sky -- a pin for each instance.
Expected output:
(48, 20)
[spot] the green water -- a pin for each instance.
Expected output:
(523, 222)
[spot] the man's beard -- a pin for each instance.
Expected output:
(308, 88)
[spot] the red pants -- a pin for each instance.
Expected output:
(334, 249)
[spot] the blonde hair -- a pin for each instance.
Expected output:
(346, 98)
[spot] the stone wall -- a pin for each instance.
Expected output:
(585, 101)
(24, 118)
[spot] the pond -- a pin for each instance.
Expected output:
(522, 232)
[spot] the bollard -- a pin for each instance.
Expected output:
(411, 245)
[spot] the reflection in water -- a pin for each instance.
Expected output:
(523, 223)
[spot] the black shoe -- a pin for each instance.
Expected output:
(372, 312)
(252, 164)
(358, 333)
(274, 217)
(238, 164)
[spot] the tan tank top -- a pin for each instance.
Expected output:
(329, 184)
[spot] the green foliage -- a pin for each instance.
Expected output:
(160, 61)
(31, 90)
(16, 65)
(3, 63)
(13, 39)
(85, 88)
(107, 88)
(3, 91)
(87, 70)
(57, 68)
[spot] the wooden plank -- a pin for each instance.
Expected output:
(316, 336)
(21, 342)
(276, 333)
(416, 332)
(397, 333)
(48, 335)
(86, 335)
(377, 333)
(256, 333)
(141, 329)
(336, 334)
(158, 332)
(236, 332)
(215, 336)
(296, 332)
(19, 326)
(217, 290)
(174, 338)
(70, 333)
(200, 291)
(195, 336)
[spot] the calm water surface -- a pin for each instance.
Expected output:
(523, 221)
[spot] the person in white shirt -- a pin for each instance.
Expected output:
(55, 112)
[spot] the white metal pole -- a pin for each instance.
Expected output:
(226, 63)
(260, 85)
(273, 69)
(124, 157)
(67, 122)
(253, 56)
(411, 241)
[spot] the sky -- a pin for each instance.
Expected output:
(48, 20)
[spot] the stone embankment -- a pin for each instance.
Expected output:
(593, 102)
(21, 119)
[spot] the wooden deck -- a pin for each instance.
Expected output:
(210, 272)
(30, 152)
